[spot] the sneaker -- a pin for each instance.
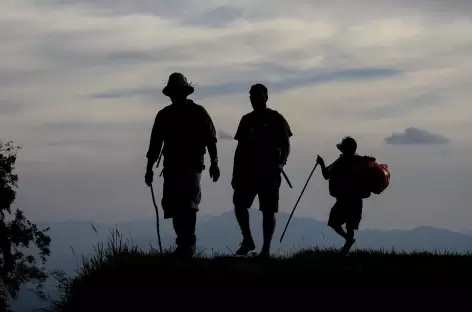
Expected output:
(246, 247)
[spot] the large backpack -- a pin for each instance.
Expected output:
(361, 177)
(379, 175)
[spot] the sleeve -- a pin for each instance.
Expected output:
(240, 132)
(285, 127)
(157, 137)
(210, 130)
(283, 131)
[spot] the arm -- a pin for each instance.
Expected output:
(284, 150)
(327, 171)
(155, 144)
(286, 133)
(324, 171)
(239, 160)
(211, 139)
(237, 157)
(213, 151)
(240, 137)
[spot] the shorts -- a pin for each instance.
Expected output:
(268, 193)
(181, 192)
(346, 211)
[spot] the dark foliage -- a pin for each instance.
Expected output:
(18, 264)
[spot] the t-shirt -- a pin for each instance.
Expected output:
(260, 136)
(186, 131)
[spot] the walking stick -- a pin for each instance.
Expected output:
(291, 215)
(156, 209)
(157, 219)
(286, 179)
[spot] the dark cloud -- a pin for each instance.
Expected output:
(96, 137)
(165, 8)
(222, 134)
(402, 108)
(218, 17)
(11, 108)
(174, 8)
(301, 79)
(415, 136)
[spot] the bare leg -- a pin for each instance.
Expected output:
(350, 234)
(339, 229)
(247, 245)
(242, 216)
(349, 241)
(184, 226)
(268, 227)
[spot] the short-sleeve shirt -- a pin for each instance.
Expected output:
(186, 131)
(260, 138)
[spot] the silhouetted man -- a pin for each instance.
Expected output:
(186, 130)
(262, 151)
(348, 186)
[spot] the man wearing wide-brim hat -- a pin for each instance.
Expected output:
(186, 130)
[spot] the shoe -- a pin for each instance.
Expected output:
(347, 246)
(247, 246)
(186, 252)
(265, 253)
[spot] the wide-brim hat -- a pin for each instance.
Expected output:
(177, 82)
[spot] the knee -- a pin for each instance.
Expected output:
(335, 225)
(185, 215)
(268, 214)
(350, 233)
(239, 209)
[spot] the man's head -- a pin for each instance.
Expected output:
(258, 95)
(177, 87)
(348, 146)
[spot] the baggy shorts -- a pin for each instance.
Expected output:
(267, 190)
(346, 211)
(181, 192)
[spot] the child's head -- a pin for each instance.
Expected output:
(348, 146)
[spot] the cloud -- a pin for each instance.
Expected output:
(81, 83)
(415, 136)
(11, 108)
(303, 79)
(222, 134)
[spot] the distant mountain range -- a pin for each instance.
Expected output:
(220, 234)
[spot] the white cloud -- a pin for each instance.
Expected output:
(413, 56)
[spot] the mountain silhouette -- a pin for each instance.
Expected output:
(220, 234)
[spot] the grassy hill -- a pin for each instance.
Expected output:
(219, 235)
(120, 274)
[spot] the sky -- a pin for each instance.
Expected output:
(81, 82)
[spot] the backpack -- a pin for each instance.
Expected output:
(379, 176)
(359, 178)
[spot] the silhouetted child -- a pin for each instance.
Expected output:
(347, 183)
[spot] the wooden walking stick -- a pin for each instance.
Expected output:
(156, 209)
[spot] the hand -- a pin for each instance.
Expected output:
(280, 167)
(148, 178)
(320, 161)
(214, 172)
